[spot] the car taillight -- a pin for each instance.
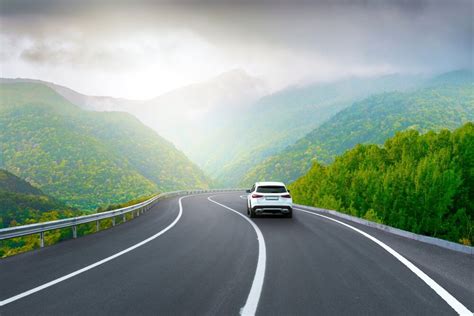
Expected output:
(286, 196)
(256, 196)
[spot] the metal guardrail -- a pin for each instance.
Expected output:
(135, 210)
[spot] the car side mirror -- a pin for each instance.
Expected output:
(248, 191)
(288, 191)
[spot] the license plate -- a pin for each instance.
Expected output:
(271, 198)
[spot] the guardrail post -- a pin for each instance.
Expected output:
(124, 218)
(97, 226)
(42, 239)
(74, 231)
(113, 221)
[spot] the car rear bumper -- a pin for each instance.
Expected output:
(272, 209)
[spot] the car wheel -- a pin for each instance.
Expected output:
(252, 213)
(290, 214)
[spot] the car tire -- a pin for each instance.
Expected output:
(252, 213)
(289, 215)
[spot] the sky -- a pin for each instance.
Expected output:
(141, 49)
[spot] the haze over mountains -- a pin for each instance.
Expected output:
(237, 106)
(446, 101)
(86, 102)
(281, 118)
(230, 124)
(190, 115)
(196, 109)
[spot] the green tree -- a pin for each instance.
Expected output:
(419, 182)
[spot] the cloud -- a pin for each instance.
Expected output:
(178, 42)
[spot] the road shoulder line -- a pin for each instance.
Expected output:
(445, 295)
(96, 264)
(396, 231)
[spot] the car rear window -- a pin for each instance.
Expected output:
(271, 189)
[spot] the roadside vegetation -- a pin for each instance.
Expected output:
(423, 183)
(22, 204)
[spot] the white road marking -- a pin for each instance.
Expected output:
(96, 264)
(253, 298)
(448, 298)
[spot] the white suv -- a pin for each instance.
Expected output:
(269, 197)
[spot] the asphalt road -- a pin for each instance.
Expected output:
(204, 258)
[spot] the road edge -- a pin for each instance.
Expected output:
(97, 263)
(455, 304)
(396, 231)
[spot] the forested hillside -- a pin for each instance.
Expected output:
(278, 120)
(85, 158)
(229, 110)
(21, 203)
(421, 183)
(11, 183)
(447, 104)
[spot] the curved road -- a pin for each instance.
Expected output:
(200, 254)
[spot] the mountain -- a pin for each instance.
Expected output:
(86, 102)
(11, 183)
(20, 202)
(229, 123)
(188, 116)
(447, 103)
(82, 157)
(421, 183)
(456, 77)
(278, 120)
